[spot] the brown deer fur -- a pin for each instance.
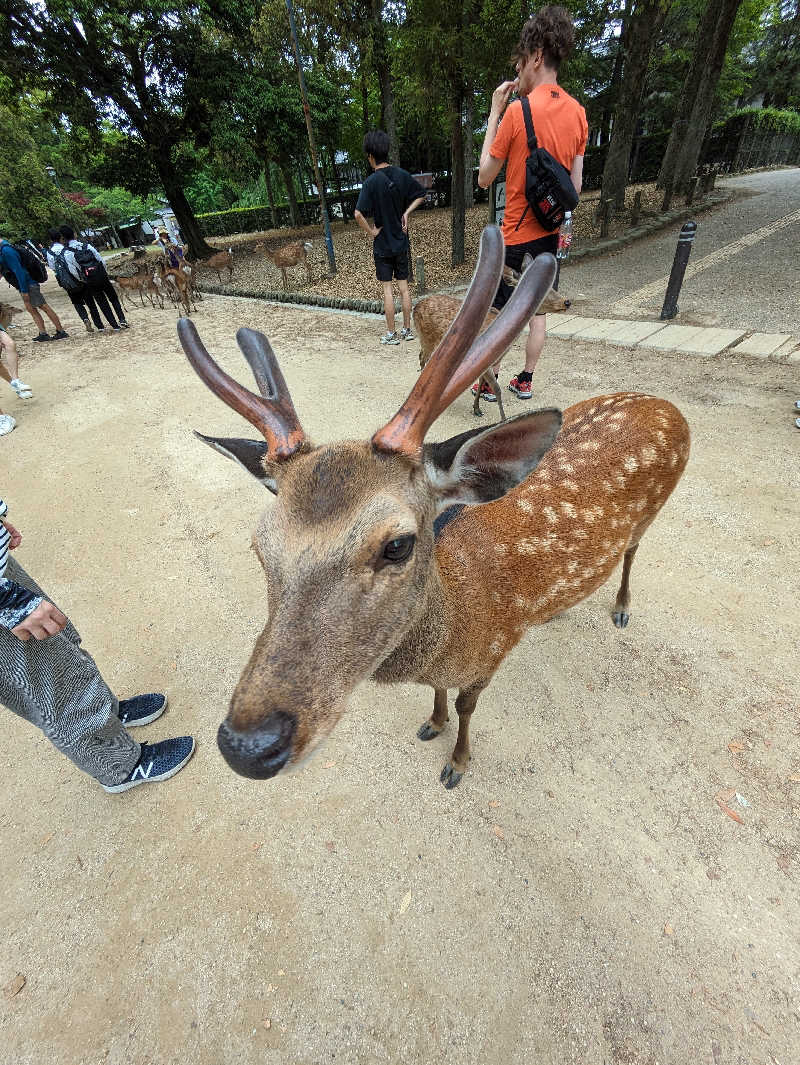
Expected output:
(561, 505)
(7, 312)
(219, 261)
(290, 255)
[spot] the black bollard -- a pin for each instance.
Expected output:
(670, 308)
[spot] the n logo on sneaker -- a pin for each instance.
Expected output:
(140, 771)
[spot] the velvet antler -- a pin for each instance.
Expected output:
(273, 415)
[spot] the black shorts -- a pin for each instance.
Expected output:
(388, 266)
(515, 253)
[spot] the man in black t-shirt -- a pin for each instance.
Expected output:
(388, 197)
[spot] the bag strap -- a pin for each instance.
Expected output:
(529, 130)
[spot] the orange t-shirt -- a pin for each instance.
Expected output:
(560, 125)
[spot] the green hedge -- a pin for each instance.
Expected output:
(762, 118)
(256, 219)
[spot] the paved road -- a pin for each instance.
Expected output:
(739, 284)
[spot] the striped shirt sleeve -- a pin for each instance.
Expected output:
(16, 602)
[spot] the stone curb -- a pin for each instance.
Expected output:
(299, 298)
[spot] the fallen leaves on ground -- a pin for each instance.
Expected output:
(13, 987)
(722, 798)
(668, 929)
(405, 903)
(498, 832)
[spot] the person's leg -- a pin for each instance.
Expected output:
(388, 305)
(51, 314)
(8, 353)
(56, 686)
(80, 309)
(102, 303)
(535, 342)
(32, 311)
(405, 299)
(110, 293)
(93, 311)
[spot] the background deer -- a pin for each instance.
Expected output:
(290, 255)
(433, 316)
(175, 281)
(7, 312)
(219, 261)
(140, 281)
(377, 568)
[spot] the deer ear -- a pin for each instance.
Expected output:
(248, 453)
(483, 464)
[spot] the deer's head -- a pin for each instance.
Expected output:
(348, 544)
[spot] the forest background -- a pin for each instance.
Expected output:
(111, 108)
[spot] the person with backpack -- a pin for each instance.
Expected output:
(9, 354)
(26, 272)
(388, 196)
(88, 263)
(70, 280)
(559, 127)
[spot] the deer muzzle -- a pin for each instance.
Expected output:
(261, 752)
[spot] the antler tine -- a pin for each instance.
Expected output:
(406, 430)
(275, 419)
(524, 302)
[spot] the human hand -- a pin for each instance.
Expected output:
(16, 536)
(501, 95)
(46, 620)
(375, 231)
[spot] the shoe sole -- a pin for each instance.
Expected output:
(146, 720)
(522, 395)
(390, 343)
(115, 789)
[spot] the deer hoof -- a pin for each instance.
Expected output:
(621, 619)
(450, 776)
(428, 732)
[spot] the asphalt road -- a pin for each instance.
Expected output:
(754, 286)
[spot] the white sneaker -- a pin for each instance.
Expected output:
(7, 424)
(390, 338)
(406, 334)
(22, 390)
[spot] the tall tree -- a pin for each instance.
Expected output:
(691, 120)
(29, 201)
(643, 20)
(148, 64)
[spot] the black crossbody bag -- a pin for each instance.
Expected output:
(548, 186)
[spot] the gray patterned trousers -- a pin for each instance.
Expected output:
(56, 685)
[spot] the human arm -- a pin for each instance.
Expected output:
(411, 207)
(492, 163)
(366, 225)
(22, 611)
(576, 173)
(13, 262)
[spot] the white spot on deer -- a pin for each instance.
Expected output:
(590, 445)
(572, 566)
(497, 644)
(519, 602)
(531, 544)
(659, 489)
(608, 487)
(550, 514)
(641, 504)
(620, 480)
(570, 486)
(617, 415)
(661, 438)
(588, 573)
(501, 549)
(630, 464)
(607, 402)
(525, 505)
(673, 459)
(614, 523)
(614, 427)
(591, 514)
(580, 534)
(568, 509)
(567, 468)
(496, 597)
(649, 456)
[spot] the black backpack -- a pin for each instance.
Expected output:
(31, 261)
(93, 272)
(68, 281)
(548, 186)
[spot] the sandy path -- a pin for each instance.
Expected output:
(580, 898)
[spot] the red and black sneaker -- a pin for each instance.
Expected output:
(521, 385)
(486, 391)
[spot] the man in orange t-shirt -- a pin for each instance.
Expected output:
(559, 122)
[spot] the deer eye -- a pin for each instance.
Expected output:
(400, 549)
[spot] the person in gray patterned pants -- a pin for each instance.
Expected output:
(48, 679)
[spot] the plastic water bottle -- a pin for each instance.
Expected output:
(565, 237)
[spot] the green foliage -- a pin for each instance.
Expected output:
(259, 218)
(118, 205)
(764, 118)
(29, 201)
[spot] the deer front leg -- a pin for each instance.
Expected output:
(457, 766)
(621, 616)
(436, 722)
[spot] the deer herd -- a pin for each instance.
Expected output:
(405, 560)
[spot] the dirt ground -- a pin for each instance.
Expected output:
(580, 898)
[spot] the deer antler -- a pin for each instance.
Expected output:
(273, 415)
(406, 430)
(524, 302)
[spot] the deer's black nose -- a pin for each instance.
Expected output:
(261, 752)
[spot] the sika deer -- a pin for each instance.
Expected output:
(291, 255)
(433, 315)
(372, 569)
(218, 262)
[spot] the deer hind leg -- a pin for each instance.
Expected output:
(436, 722)
(621, 615)
(457, 766)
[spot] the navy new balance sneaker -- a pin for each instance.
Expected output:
(158, 761)
(142, 709)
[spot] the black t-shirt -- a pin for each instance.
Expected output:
(384, 196)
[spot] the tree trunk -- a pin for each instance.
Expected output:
(284, 166)
(187, 223)
(364, 102)
(270, 193)
(457, 178)
(469, 151)
(644, 23)
(703, 104)
(380, 59)
(691, 85)
(613, 89)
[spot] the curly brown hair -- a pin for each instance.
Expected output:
(551, 30)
